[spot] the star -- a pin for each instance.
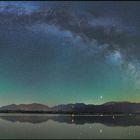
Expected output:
(101, 97)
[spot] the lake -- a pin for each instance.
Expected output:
(42, 126)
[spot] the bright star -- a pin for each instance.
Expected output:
(101, 97)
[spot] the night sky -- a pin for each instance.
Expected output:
(68, 52)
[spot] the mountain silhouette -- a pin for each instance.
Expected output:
(25, 107)
(78, 108)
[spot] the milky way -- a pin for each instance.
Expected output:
(68, 52)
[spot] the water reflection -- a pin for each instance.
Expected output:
(43, 126)
(133, 120)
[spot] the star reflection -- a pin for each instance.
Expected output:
(100, 130)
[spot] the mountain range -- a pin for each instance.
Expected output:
(78, 108)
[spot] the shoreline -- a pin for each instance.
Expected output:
(70, 114)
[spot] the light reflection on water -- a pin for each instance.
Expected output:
(29, 126)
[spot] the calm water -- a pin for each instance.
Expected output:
(63, 126)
